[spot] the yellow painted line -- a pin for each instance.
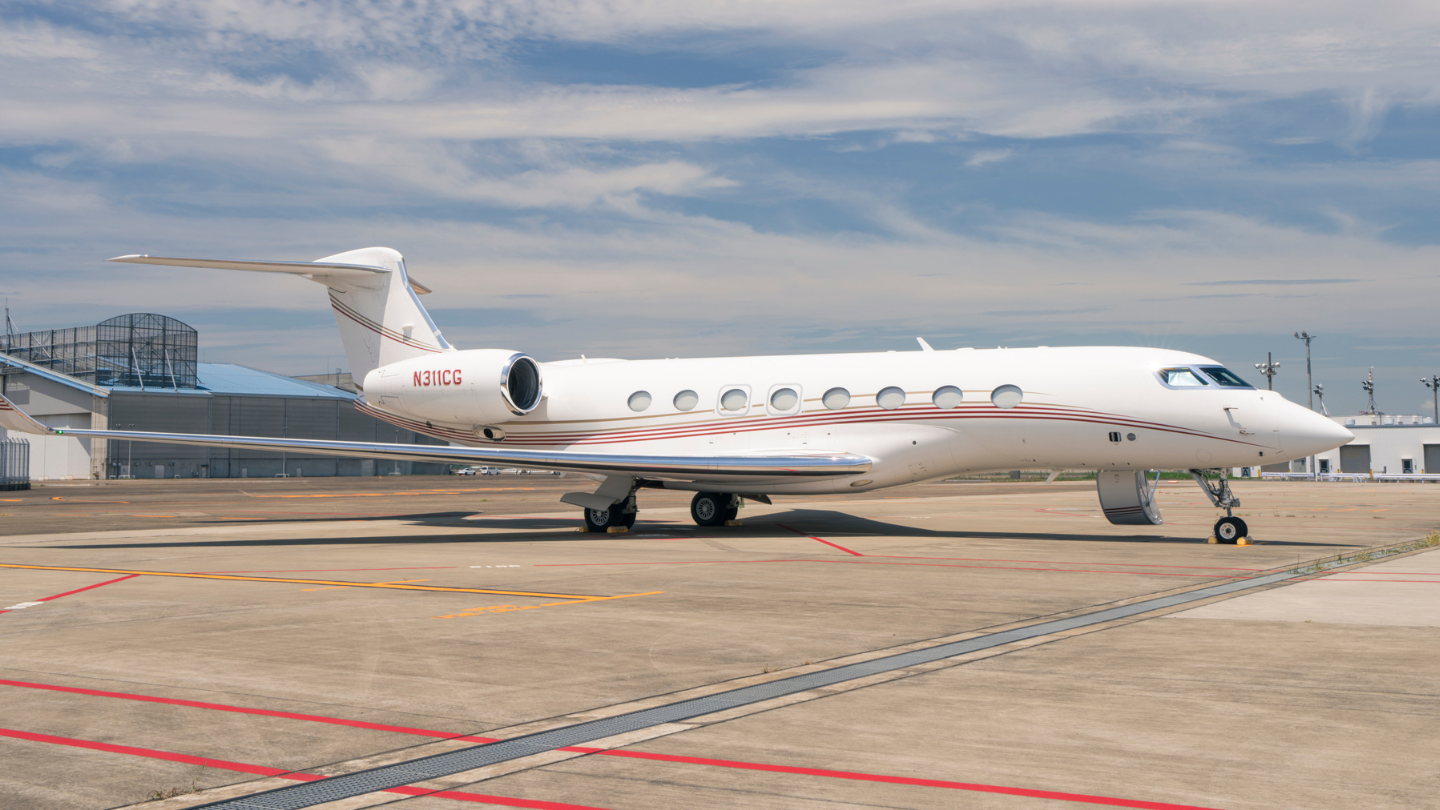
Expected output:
(492, 609)
(341, 587)
(303, 581)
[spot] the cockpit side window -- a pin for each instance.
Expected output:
(1225, 377)
(1181, 377)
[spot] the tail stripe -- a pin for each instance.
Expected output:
(398, 337)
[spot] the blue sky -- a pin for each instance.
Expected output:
(637, 179)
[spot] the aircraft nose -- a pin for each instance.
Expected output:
(1304, 432)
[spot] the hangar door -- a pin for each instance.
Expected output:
(1432, 458)
(1355, 458)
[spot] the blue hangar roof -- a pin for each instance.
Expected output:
(225, 379)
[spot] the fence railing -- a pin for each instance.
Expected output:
(14, 464)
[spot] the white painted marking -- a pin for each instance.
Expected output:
(23, 605)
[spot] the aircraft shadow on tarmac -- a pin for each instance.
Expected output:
(781, 525)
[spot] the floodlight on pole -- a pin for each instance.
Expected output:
(1269, 368)
(1309, 384)
(1433, 383)
(1320, 395)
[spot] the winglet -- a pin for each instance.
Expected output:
(12, 418)
(924, 347)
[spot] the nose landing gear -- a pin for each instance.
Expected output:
(1229, 529)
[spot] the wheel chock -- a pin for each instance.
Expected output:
(1244, 541)
(616, 530)
(1214, 541)
(733, 523)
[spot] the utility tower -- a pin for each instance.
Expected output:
(1269, 368)
(1320, 395)
(1369, 386)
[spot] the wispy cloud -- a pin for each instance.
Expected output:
(740, 178)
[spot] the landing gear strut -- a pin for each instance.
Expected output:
(1229, 529)
(714, 508)
(619, 514)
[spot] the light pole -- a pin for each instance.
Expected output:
(1433, 383)
(1368, 384)
(1269, 368)
(1309, 386)
(129, 445)
(1320, 395)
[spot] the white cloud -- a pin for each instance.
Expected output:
(985, 157)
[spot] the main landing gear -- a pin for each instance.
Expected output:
(714, 508)
(603, 514)
(1229, 529)
(619, 514)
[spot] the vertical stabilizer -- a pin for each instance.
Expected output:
(376, 302)
(380, 316)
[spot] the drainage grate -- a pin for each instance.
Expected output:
(308, 794)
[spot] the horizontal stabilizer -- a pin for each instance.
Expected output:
(295, 268)
(670, 468)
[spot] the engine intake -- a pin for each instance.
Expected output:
(520, 384)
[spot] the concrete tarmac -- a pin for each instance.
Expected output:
(168, 636)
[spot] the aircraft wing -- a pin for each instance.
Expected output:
(672, 468)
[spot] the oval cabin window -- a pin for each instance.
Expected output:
(836, 399)
(1007, 396)
(686, 400)
(784, 399)
(639, 401)
(890, 398)
(948, 397)
(734, 400)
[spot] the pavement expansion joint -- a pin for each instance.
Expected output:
(735, 701)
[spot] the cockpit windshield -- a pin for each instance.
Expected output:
(1181, 378)
(1225, 377)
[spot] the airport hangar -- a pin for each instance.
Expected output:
(141, 372)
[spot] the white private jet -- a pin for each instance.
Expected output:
(753, 427)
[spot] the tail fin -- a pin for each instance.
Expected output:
(376, 305)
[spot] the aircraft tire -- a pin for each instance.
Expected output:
(600, 520)
(712, 508)
(1229, 530)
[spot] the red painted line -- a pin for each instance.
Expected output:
(826, 542)
(873, 561)
(503, 801)
(88, 587)
(78, 590)
(905, 780)
(293, 570)
(1334, 579)
(262, 770)
(221, 707)
(538, 805)
(1068, 562)
(149, 753)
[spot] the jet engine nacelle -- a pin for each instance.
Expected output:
(478, 387)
